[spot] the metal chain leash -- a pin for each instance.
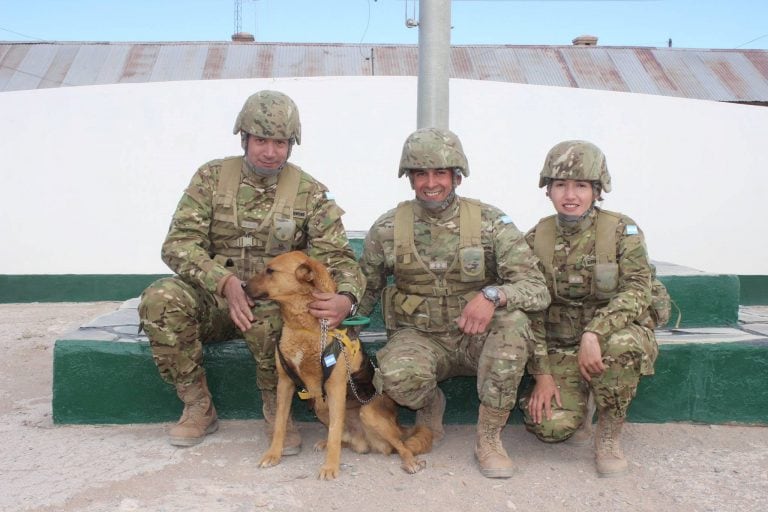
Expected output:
(323, 334)
(323, 342)
(351, 382)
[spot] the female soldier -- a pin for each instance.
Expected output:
(597, 335)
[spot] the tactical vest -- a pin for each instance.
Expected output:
(248, 246)
(589, 280)
(432, 299)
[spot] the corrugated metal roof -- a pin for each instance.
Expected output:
(720, 75)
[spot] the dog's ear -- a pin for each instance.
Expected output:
(317, 274)
(304, 273)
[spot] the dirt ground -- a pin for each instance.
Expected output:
(45, 467)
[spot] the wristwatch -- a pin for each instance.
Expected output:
(492, 294)
(353, 309)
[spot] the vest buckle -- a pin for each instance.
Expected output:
(440, 291)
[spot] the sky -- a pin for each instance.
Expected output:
(687, 23)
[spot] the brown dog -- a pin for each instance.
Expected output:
(289, 280)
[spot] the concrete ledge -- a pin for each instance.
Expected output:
(703, 300)
(710, 370)
(701, 376)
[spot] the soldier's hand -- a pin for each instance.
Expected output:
(476, 315)
(240, 304)
(541, 398)
(332, 306)
(590, 356)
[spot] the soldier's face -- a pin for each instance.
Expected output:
(267, 153)
(433, 185)
(571, 197)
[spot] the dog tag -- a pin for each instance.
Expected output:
(304, 394)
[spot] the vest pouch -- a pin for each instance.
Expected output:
(606, 280)
(388, 307)
(563, 329)
(237, 265)
(472, 264)
(412, 311)
(410, 304)
(281, 235)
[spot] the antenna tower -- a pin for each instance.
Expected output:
(238, 16)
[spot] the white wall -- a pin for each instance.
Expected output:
(91, 175)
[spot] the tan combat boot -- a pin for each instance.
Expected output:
(292, 443)
(199, 417)
(583, 435)
(431, 415)
(609, 458)
(489, 452)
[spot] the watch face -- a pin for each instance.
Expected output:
(492, 294)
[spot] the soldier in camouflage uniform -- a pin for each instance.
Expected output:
(236, 214)
(596, 339)
(463, 278)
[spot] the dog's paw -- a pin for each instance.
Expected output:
(413, 466)
(321, 445)
(328, 472)
(269, 459)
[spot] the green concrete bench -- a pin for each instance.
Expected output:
(710, 370)
(716, 376)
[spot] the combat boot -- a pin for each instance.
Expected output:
(292, 442)
(431, 415)
(583, 435)
(609, 458)
(489, 452)
(199, 417)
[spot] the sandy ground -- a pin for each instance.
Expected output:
(44, 467)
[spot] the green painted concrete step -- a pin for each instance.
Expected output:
(712, 376)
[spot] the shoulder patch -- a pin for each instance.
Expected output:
(506, 219)
(631, 229)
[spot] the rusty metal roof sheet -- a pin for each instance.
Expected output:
(720, 75)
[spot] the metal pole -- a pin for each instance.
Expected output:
(434, 61)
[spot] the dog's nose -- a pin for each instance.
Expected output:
(251, 292)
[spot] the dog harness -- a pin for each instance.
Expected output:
(360, 383)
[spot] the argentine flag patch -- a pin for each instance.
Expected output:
(631, 229)
(329, 360)
(506, 219)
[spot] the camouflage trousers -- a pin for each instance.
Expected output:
(179, 318)
(413, 362)
(627, 354)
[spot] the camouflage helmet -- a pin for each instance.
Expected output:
(433, 148)
(575, 160)
(269, 115)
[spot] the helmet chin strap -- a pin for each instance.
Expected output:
(262, 172)
(437, 206)
(575, 219)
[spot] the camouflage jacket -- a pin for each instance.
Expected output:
(509, 262)
(188, 247)
(575, 308)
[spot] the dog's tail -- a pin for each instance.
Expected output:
(418, 439)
